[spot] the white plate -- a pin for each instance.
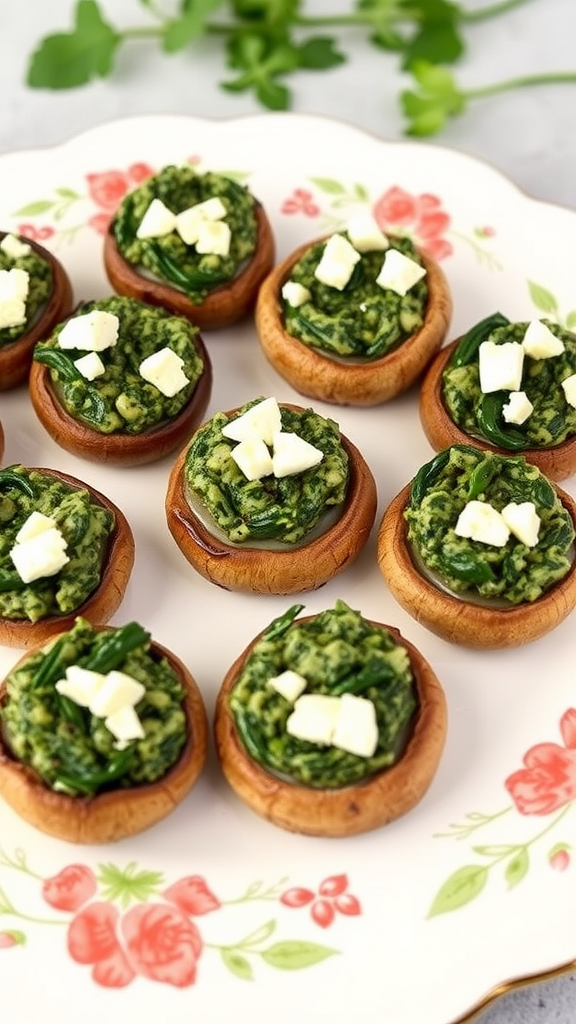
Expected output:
(465, 893)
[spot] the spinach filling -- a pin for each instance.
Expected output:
(515, 572)
(86, 526)
(71, 749)
(120, 401)
(337, 651)
(480, 415)
(168, 257)
(284, 509)
(363, 321)
(40, 285)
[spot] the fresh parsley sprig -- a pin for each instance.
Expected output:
(265, 42)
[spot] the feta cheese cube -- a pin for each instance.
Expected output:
(289, 684)
(365, 234)
(356, 729)
(314, 718)
(90, 332)
(80, 684)
(12, 313)
(292, 454)
(518, 407)
(338, 260)
(210, 209)
(569, 389)
(189, 221)
(523, 521)
(39, 556)
(117, 691)
(157, 221)
(480, 522)
(500, 366)
(36, 523)
(214, 238)
(125, 725)
(14, 285)
(253, 458)
(90, 366)
(295, 294)
(15, 247)
(164, 370)
(399, 273)
(539, 342)
(262, 420)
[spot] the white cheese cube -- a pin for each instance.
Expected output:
(314, 718)
(12, 313)
(523, 521)
(295, 294)
(399, 273)
(338, 260)
(40, 556)
(210, 209)
(356, 729)
(90, 332)
(253, 458)
(365, 234)
(14, 285)
(14, 247)
(500, 366)
(117, 691)
(164, 370)
(569, 389)
(125, 725)
(157, 221)
(289, 684)
(80, 684)
(36, 523)
(90, 366)
(518, 407)
(479, 521)
(539, 342)
(214, 238)
(292, 454)
(262, 420)
(188, 225)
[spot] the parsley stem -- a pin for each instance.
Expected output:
(544, 78)
(490, 11)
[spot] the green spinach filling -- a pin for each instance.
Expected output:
(40, 285)
(86, 526)
(480, 415)
(363, 321)
(71, 749)
(514, 572)
(284, 509)
(120, 401)
(168, 257)
(337, 651)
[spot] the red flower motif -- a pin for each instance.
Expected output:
(559, 859)
(7, 940)
(107, 188)
(548, 780)
(70, 888)
(419, 216)
(100, 222)
(162, 943)
(192, 896)
(92, 934)
(138, 173)
(332, 897)
(301, 202)
(36, 234)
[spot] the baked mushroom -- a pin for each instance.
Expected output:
(81, 771)
(197, 244)
(257, 515)
(67, 550)
(508, 387)
(330, 725)
(479, 548)
(353, 318)
(40, 296)
(121, 382)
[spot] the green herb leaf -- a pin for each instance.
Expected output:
(319, 53)
(179, 32)
(439, 98)
(65, 60)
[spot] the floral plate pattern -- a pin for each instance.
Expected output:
(214, 908)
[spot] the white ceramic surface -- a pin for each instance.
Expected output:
(215, 911)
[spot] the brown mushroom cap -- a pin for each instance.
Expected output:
(118, 449)
(269, 571)
(16, 358)
(118, 813)
(453, 618)
(223, 306)
(101, 605)
(1, 442)
(345, 382)
(556, 463)
(348, 810)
